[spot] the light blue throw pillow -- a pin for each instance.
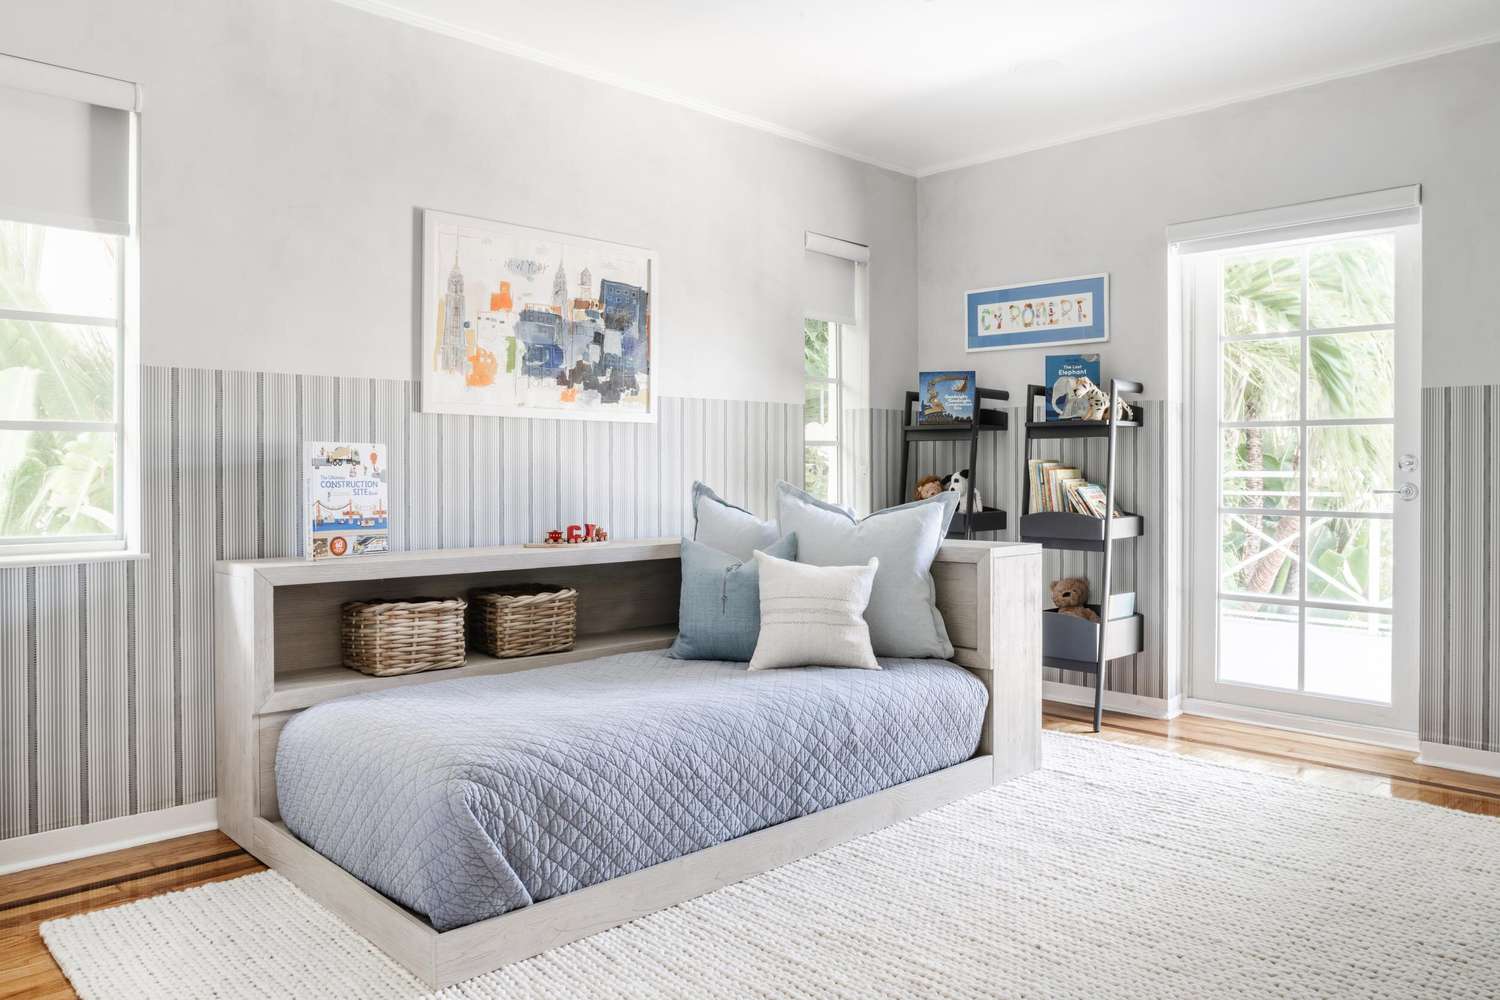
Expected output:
(719, 524)
(719, 617)
(902, 614)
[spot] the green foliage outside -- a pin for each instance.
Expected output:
(52, 482)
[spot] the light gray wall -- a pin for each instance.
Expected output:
(286, 144)
(1103, 204)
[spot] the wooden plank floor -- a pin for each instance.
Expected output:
(29, 898)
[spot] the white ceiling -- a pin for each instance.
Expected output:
(925, 85)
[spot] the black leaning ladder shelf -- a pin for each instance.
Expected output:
(1070, 643)
(967, 520)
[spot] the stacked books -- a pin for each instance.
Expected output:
(1062, 489)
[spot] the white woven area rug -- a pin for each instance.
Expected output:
(1113, 872)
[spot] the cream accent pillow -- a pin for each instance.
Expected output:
(813, 616)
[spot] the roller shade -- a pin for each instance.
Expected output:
(67, 161)
(828, 291)
(1383, 209)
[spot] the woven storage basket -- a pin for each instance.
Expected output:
(523, 620)
(386, 638)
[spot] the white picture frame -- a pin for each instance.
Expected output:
(526, 322)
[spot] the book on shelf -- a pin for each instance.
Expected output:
(1062, 370)
(344, 486)
(1062, 489)
(946, 398)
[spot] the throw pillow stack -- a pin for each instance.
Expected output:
(816, 587)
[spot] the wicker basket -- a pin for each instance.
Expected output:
(523, 620)
(386, 638)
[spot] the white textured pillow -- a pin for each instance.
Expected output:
(813, 616)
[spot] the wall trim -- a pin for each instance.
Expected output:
(1396, 739)
(70, 843)
(1114, 701)
(1453, 758)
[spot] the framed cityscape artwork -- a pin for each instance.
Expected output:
(1038, 314)
(520, 322)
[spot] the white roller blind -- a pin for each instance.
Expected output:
(66, 162)
(828, 287)
(1387, 208)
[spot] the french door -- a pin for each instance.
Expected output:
(1304, 474)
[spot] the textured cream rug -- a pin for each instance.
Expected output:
(1113, 872)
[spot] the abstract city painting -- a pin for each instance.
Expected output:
(520, 322)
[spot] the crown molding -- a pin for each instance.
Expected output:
(394, 12)
(1006, 152)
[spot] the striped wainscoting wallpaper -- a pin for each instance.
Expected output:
(109, 711)
(1460, 665)
(1141, 480)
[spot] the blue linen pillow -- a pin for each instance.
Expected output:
(902, 614)
(719, 614)
(721, 525)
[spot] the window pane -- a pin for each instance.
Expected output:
(1262, 293)
(1352, 283)
(1258, 644)
(55, 483)
(1259, 379)
(818, 471)
(1347, 464)
(1351, 375)
(1349, 560)
(43, 269)
(56, 371)
(1258, 554)
(1260, 467)
(820, 415)
(817, 349)
(1349, 654)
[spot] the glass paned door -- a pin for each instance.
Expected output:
(1297, 477)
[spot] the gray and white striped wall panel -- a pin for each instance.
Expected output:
(1460, 689)
(109, 708)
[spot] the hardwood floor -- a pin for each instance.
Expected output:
(29, 898)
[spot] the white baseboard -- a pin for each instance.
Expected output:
(70, 843)
(1460, 758)
(1114, 701)
(1396, 739)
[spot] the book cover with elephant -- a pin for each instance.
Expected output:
(1064, 371)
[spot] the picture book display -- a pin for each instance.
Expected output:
(1062, 371)
(345, 489)
(946, 398)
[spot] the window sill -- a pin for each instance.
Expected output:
(23, 560)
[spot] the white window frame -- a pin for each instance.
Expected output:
(836, 384)
(125, 541)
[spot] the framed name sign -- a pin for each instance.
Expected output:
(1038, 314)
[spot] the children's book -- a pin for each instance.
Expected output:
(1062, 371)
(1056, 498)
(344, 486)
(945, 398)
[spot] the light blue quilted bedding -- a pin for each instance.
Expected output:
(464, 799)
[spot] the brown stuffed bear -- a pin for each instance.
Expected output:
(927, 486)
(1070, 594)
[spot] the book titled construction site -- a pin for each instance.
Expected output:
(345, 490)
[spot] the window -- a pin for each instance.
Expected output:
(61, 343)
(820, 365)
(67, 267)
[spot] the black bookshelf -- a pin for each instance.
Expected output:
(1070, 643)
(987, 420)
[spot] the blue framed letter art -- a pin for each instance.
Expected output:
(1038, 314)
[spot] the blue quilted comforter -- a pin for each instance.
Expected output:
(464, 799)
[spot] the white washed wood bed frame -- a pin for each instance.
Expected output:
(276, 640)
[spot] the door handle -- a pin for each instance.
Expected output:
(1408, 491)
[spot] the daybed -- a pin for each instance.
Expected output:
(462, 826)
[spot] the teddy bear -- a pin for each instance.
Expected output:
(927, 486)
(1071, 594)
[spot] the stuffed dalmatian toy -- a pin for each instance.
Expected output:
(958, 482)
